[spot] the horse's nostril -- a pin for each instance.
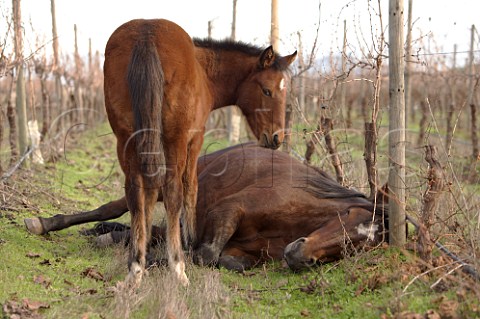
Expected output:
(301, 240)
(265, 139)
(276, 140)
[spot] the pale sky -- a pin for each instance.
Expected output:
(448, 20)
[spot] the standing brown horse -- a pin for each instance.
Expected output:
(160, 87)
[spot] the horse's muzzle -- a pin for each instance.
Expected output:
(273, 142)
(295, 257)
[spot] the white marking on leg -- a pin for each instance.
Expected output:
(179, 270)
(369, 231)
(134, 277)
(175, 258)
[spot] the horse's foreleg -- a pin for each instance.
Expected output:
(236, 259)
(42, 225)
(222, 223)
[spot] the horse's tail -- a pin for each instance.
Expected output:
(146, 85)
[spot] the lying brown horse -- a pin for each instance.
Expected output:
(255, 205)
(160, 87)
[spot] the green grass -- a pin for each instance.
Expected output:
(367, 286)
(82, 171)
(212, 144)
(53, 269)
(47, 268)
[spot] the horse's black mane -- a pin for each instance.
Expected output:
(323, 185)
(229, 45)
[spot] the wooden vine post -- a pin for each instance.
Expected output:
(396, 177)
(471, 103)
(59, 98)
(21, 98)
(234, 117)
(78, 98)
(453, 101)
(408, 65)
(275, 30)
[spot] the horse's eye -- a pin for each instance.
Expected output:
(267, 92)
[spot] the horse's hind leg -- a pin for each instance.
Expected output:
(190, 189)
(173, 200)
(141, 201)
(42, 225)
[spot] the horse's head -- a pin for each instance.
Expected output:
(329, 241)
(262, 97)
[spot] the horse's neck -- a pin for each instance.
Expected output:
(225, 70)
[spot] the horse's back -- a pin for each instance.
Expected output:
(172, 43)
(252, 175)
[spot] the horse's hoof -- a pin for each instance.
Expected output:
(206, 255)
(104, 240)
(34, 226)
(134, 277)
(234, 263)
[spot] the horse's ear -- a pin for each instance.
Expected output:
(267, 58)
(285, 61)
